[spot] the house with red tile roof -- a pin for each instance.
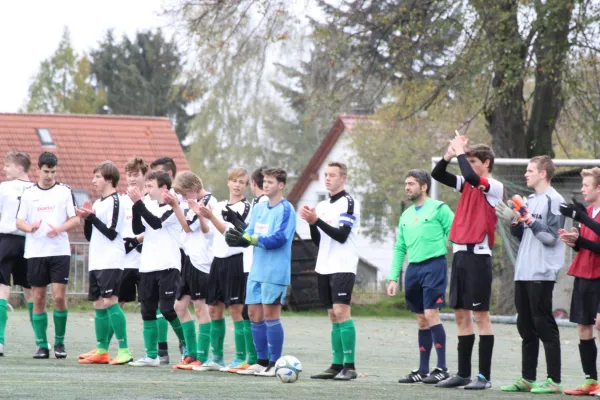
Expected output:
(83, 141)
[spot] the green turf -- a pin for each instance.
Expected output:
(387, 349)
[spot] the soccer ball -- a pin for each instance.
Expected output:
(288, 369)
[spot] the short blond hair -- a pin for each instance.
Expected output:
(187, 180)
(239, 172)
(343, 168)
(594, 173)
(19, 158)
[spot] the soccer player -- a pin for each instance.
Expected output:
(160, 262)
(226, 284)
(12, 240)
(166, 164)
(540, 257)
(45, 214)
(423, 234)
(197, 243)
(333, 228)
(585, 299)
(472, 235)
(103, 226)
(271, 231)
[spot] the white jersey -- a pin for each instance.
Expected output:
(220, 248)
(53, 206)
(106, 252)
(335, 257)
(133, 258)
(197, 244)
(249, 251)
(161, 246)
(10, 196)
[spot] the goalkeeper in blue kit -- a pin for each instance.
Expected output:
(271, 231)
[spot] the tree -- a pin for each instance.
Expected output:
(144, 77)
(63, 84)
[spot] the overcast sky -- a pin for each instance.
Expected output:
(30, 32)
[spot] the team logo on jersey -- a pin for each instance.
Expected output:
(46, 208)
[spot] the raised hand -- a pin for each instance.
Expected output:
(134, 194)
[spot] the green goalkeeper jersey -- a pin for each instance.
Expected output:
(422, 234)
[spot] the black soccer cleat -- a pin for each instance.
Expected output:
(346, 374)
(42, 353)
(59, 351)
(415, 376)
(436, 376)
(479, 383)
(453, 381)
(329, 373)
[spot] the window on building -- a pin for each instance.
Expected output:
(45, 137)
(321, 197)
(81, 196)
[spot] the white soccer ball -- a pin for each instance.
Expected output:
(288, 369)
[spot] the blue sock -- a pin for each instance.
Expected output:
(425, 344)
(275, 337)
(438, 335)
(259, 335)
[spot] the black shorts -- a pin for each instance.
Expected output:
(130, 282)
(104, 283)
(12, 262)
(42, 271)
(226, 281)
(193, 282)
(585, 301)
(335, 288)
(471, 281)
(158, 285)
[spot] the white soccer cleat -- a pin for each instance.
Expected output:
(252, 370)
(1, 349)
(267, 371)
(209, 366)
(146, 361)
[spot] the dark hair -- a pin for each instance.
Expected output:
(483, 152)
(545, 163)
(166, 163)
(109, 172)
(19, 158)
(421, 176)
(161, 178)
(258, 177)
(277, 173)
(136, 164)
(48, 159)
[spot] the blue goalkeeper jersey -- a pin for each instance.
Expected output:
(275, 227)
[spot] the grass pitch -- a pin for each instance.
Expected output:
(386, 350)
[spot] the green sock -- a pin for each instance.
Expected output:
(151, 338)
(204, 331)
(250, 349)
(40, 326)
(189, 332)
(118, 323)
(111, 332)
(336, 344)
(30, 309)
(240, 341)
(163, 327)
(3, 318)
(217, 336)
(348, 335)
(101, 324)
(176, 325)
(60, 325)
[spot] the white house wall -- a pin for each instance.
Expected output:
(377, 253)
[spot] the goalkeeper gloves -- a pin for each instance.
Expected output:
(235, 218)
(130, 244)
(574, 210)
(235, 238)
(518, 205)
(504, 213)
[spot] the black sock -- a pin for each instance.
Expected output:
(486, 346)
(163, 346)
(349, 366)
(336, 367)
(588, 352)
(465, 350)
(271, 364)
(262, 363)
